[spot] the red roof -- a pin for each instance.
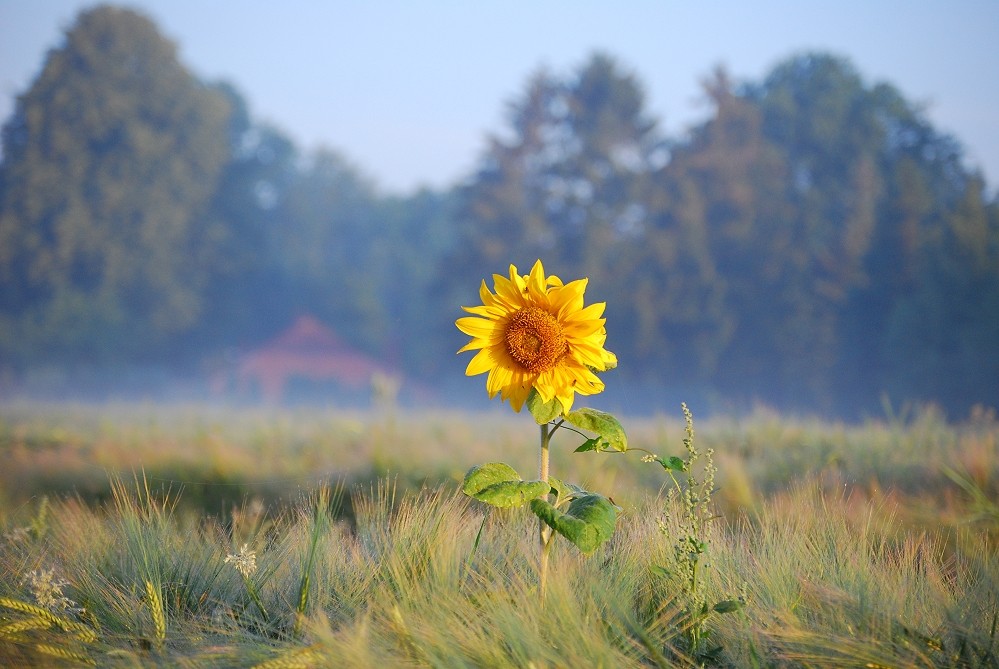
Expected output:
(308, 349)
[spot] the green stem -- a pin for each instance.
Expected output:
(255, 597)
(545, 532)
(693, 576)
(679, 490)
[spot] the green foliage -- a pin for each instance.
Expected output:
(565, 185)
(831, 575)
(824, 585)
(543, 412)
(588, 521)
(812, 243)
(324, 504)
(774, 253)
(109, 162)
(610, 432)
(687, 574)
(499, 484)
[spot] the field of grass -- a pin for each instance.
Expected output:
(179, 536)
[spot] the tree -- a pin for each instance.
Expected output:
(874, 184)
(248, 299)
(110, 160)
(791, 224)
(940, 339)
(503, 208)
(565, 184)
(330, 231)
(709, 293)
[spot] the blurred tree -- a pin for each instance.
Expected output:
(503, 207)
(248, 300)
(109, 161)
(941, 337)
(812, 243)
(310, 234)
(715, 259)
(563, 186)
(792, 235)
(420, 232)
(594, 191)
(329, 232)
(768, 254)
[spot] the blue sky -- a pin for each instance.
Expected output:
(409, 90)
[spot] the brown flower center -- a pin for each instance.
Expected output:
(535, 339)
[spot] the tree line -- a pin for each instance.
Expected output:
(812, 244)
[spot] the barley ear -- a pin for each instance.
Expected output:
(156, 611)
(55, 651)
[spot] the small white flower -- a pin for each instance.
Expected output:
(18, 535)
(650, 458)
(46, 588)
(245, 561)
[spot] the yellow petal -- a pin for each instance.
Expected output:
(484, 294)
(568, 299)
(476, 327)
(536, 283)
(483, 361)
(592, 312)
(582, 327)
(510, 291)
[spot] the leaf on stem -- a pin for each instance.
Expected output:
(564, 491)
(499, 484)
(727, 606)
(673, 463)
(610, 432)
(543, 412)
(594, 444)
(588, 522)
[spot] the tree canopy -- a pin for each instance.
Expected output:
(109, 162)
(813, 243)
(778, 254)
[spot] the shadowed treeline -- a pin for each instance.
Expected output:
(813, 244)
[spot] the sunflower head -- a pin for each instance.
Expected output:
(534, 333)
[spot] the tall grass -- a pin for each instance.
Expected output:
(846, 563)
(219, 458)
(410, 585)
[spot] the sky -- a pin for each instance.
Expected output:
(409, 91)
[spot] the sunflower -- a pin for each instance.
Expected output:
(534, 332)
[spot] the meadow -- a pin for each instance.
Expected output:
(141, 535)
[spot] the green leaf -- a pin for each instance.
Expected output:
(604, 424)
(563, 490)
(595, 444)
(558, 488)
(588, 522)
(674, 463)
(662, 572)
(480, 477)
(543, 412)
(727, 606)
(499, 484)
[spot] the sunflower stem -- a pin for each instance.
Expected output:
(545, 532)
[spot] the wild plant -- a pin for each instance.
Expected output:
(52, 626)
(324, 505)
(686, 525)
(245, 563)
